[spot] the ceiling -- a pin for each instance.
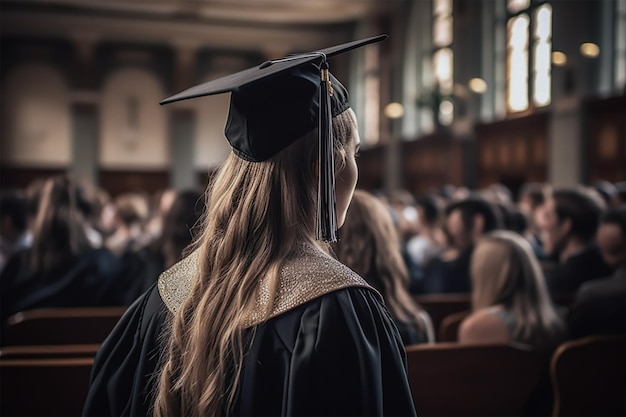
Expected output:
(271, 26)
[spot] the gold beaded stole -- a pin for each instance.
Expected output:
(308, 275)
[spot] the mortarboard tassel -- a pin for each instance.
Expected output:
(326, 211)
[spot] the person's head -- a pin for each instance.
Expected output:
(59, 227)
(504, 271)
(369, 242)
(467, 220)
(611, 236)
(570, 215)
(606, 190)
(429, 212)
(531, 197)
(402, 204)
(619, 198)
(369, 245)
(131, 210)
(500, 193)
(13, 220)
(503, 265)
(294, 140)
(180, 224)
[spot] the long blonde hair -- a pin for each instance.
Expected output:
(505, 272)
(369, 244)
(257, 213)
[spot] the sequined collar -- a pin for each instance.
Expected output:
(311, 273)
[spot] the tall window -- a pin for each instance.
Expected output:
(443, 60)
(620, 45)
(529, 45)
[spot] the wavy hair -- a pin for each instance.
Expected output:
(504, 271)
(370, 246)
(257, 214)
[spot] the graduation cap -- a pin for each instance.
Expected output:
(277, 102)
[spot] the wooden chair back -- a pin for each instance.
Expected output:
(449, 329)
(439, 306)
(589, 377)
(48, 351)
(51, 326)
(449, 379)
(44, 387)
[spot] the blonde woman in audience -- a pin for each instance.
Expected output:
(370, 246)
(510, 301)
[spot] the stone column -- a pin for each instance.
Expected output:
(182, 121)
(84, 110)
(565, 135)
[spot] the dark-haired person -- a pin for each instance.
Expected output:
(600, 306)
(532, 197)
(466, 222)
(430, 239)
(180, 225)
(60, 268)
(570, 220)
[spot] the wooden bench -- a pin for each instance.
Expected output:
(439, 306)
(449, 328)
(84, 325)
(44, 387)
(589, 377)
(48, 351)
(448, 379)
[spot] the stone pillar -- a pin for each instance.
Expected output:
(85, 144)
(184, 66)
(182, 121)
(565, 130)
(85, 112)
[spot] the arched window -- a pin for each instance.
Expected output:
(620, 45)
(529, 45)
(443, 60)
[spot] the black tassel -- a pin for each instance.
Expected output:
(326, 210)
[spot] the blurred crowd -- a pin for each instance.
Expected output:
(66, 243)
(541, 266)
(521, 258)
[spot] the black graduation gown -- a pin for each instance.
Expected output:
(338, 354)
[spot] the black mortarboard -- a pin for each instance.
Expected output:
(277, 102)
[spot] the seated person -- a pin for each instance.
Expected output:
(532, 196)
(429, 240)
(510, 302)
(466, 222)
(570, 220)
(140, 266)
(600, 305)
(60, 268)
(370, 246)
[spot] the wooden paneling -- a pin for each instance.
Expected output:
(606, 139)
(372, 165)
(431, 162)
(118, 182)
(19, 177)
(512, 151)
